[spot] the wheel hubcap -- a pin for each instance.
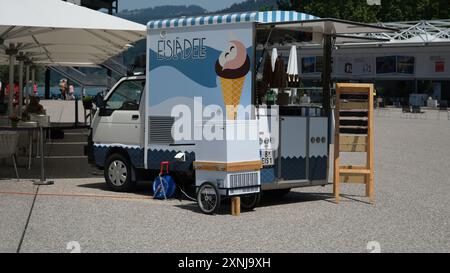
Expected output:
(208, 199)
(117, 173)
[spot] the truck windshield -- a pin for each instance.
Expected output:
(126, 96)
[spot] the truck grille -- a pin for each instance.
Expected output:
(161, 130)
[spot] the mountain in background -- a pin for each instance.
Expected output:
(251, 5)
(143, 16)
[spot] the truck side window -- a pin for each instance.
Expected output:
(126, 96)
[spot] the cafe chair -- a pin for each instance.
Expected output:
(406, 111)
(8, 144)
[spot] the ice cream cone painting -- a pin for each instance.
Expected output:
(232, 68)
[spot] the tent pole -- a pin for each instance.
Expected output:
(326, 74)
(21, 59)
(326, 81)
(12, 60)
(47, 83)
(12, 52)
(27, 80)
(33, 80)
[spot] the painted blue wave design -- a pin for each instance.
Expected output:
(202, 71)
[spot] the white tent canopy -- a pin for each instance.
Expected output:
(55, 32)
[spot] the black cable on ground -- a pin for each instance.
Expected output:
(187, 196)
(28, 221)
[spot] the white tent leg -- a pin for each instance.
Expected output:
(28, 86)
(21, 60)
(33, 80)
(12, 60)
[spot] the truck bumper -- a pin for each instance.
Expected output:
(89, 150)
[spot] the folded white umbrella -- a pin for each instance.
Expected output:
(292, 69)
(274, 58)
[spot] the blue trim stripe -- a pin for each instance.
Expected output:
(261, 17)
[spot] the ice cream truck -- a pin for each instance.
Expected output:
(203, 108)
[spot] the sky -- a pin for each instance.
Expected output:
(210, 5)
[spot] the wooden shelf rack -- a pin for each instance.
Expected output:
(354, 134)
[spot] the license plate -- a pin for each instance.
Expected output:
(267, 157)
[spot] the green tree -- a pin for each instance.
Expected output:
(359, 10)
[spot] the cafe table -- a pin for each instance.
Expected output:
(30, 126)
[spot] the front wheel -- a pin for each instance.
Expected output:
(250, 201)
(208, 198)
(118, 173)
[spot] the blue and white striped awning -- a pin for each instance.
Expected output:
(260, 17)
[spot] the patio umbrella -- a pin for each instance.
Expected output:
(54, 32)
(278, 79)
(292, 70)
(274, 58)
(267, 69)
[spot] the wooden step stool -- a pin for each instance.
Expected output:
(354, 134)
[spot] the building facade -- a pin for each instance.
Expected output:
(415, 60)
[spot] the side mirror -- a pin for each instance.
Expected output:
(98, 101)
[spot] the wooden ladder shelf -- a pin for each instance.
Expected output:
(354, 134)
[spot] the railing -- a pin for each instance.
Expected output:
(83, 79)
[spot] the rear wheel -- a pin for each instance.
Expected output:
(118, 173)
(208, 198)
(250, 201)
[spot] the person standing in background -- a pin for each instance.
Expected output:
(35, 89)
(71, 93)
(16, 93)
(63, 88)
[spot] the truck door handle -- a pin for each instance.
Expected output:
(135, 117)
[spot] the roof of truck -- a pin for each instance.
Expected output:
(259, 17)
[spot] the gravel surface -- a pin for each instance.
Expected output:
(412, 212)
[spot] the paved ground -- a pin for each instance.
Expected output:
(412, 212)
